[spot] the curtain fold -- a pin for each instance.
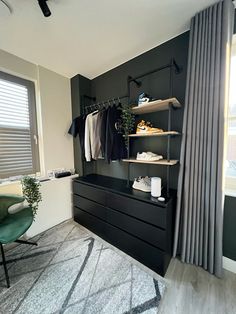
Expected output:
(199, 213)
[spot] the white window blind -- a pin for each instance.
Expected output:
(18, 128)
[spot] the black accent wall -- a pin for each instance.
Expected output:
(80, 86)
(234, 22)
(113, 83)
(229, 242)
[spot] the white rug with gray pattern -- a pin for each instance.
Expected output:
(71, 271)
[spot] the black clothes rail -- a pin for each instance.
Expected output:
(101, 104)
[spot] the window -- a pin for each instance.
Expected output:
(18, 127)
(231, 153)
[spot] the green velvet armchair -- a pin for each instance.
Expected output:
(13, 226)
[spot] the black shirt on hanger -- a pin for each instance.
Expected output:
(114, 145)
(78, 127)
(103, 116)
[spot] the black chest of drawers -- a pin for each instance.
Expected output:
(131, 220)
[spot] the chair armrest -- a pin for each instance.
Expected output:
(7, 200)
(11, 199)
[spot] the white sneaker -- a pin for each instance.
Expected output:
(148, 156)
(146, 179)
(142, 184)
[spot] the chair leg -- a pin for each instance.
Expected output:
(26, 242)
(5, 266)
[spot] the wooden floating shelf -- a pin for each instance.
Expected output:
(172, 133)
(156, 105)
(162, 162)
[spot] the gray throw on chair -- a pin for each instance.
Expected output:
(199, 217)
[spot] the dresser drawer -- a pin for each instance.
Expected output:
(140, 229)
(90, 207)
(89, 221)
(92, 193)
(143, 252)
(147, 212)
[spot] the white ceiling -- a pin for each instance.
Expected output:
(92, 36)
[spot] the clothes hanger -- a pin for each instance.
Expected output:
(101, 106)
(119, 106)
(96, 107)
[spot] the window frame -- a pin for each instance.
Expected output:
(30, 86)
(230, 181)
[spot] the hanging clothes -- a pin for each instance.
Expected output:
(97, 135)
(100, 134)
(96, 152)
(78, 127)
(114, 145)
(103, 116)
(92, 136)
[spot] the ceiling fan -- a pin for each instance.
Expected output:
(42, 3)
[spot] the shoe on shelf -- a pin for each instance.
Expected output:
(146, 128)
(143, 99)
(142, 184)
(148, 156)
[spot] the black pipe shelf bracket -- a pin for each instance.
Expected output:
(172, 65)
(178, 69)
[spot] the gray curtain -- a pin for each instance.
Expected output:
(199, 216)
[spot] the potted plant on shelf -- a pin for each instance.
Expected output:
(31, 192)
(128, 122)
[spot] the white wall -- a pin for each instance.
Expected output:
(53, 100)
(56, 114)
(56, 205)
(15, 65)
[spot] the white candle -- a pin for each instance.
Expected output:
(156, 186)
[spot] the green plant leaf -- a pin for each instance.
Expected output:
(31, 192)
(128, 121)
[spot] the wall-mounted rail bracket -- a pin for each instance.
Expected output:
(178, 69)
(89, 97)
(131, 79)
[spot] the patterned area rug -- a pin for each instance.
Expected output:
(72, 272)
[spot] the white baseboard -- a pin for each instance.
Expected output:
(229, 264)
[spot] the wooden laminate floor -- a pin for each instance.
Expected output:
(192, 290)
